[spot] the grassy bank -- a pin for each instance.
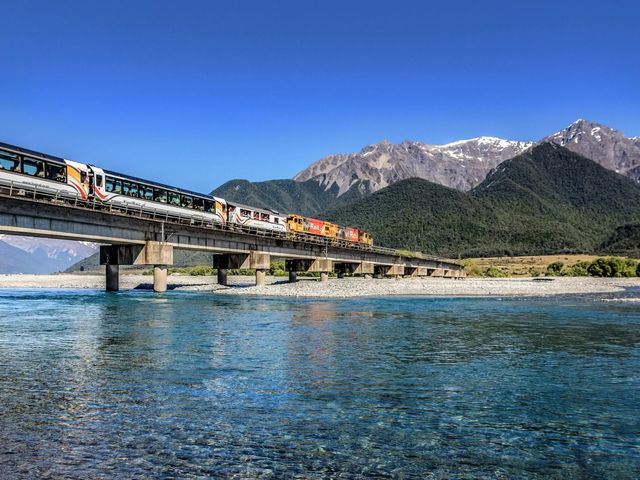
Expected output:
(551, 265)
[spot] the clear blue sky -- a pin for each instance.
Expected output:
(195, 93)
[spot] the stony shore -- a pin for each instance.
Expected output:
(347, 287)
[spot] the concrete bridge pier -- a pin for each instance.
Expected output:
(222, 276)
(160, 278)
(394, 270)
(151, 253)
(258, 261)
(261, 277)
(364, 268)
(113, 278)
(318, 265)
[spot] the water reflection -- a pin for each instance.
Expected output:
(198, 385)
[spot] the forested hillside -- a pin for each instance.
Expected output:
(287, 196)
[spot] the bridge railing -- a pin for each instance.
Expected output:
(36, 194)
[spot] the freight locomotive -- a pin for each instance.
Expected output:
(65, 179)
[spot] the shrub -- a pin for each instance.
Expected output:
(599, 268)
(613, 267)
(555, 268)
(277, 269)
(494, 272)
(534, 272)
(580, 269)
(200, 270)
(471, 268)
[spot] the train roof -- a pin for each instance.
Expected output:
(31, 152)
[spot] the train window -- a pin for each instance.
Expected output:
(244, 212)
(34, 167)
(209, 206)
(198, 203)
(56, 172)
(145, 192)
(9, 161)
(256, 215)
(130, 189)
(160, 195)
(113, 185)
(174, 198)
(264, 217)
(187, 201)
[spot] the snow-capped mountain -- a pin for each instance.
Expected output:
(605, 145)
(41, 255)
(462, 164)
(465, 163)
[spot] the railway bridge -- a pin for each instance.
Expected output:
(130, 237)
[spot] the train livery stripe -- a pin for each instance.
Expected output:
(100, 194)
(78, 187)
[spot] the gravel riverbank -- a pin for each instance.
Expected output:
(346, 287)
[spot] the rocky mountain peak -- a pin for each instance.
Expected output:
(462, 164)
(605, 145)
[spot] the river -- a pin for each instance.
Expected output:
(198, 385)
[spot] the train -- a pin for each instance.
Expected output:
(23, 169)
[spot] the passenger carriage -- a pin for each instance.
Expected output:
(22, 169)
(134, 194)
(42, 174)
(252, 217)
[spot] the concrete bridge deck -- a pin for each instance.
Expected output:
(146, 238)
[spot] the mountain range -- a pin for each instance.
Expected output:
(460, 165)
(341, 179)
(464, 164)
(337, 186)
(545, 200)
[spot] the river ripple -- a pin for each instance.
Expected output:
(194, 385)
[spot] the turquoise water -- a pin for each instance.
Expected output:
(193, 385)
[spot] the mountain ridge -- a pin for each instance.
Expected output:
(463, 164)
(546, 200)
(384, 163)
